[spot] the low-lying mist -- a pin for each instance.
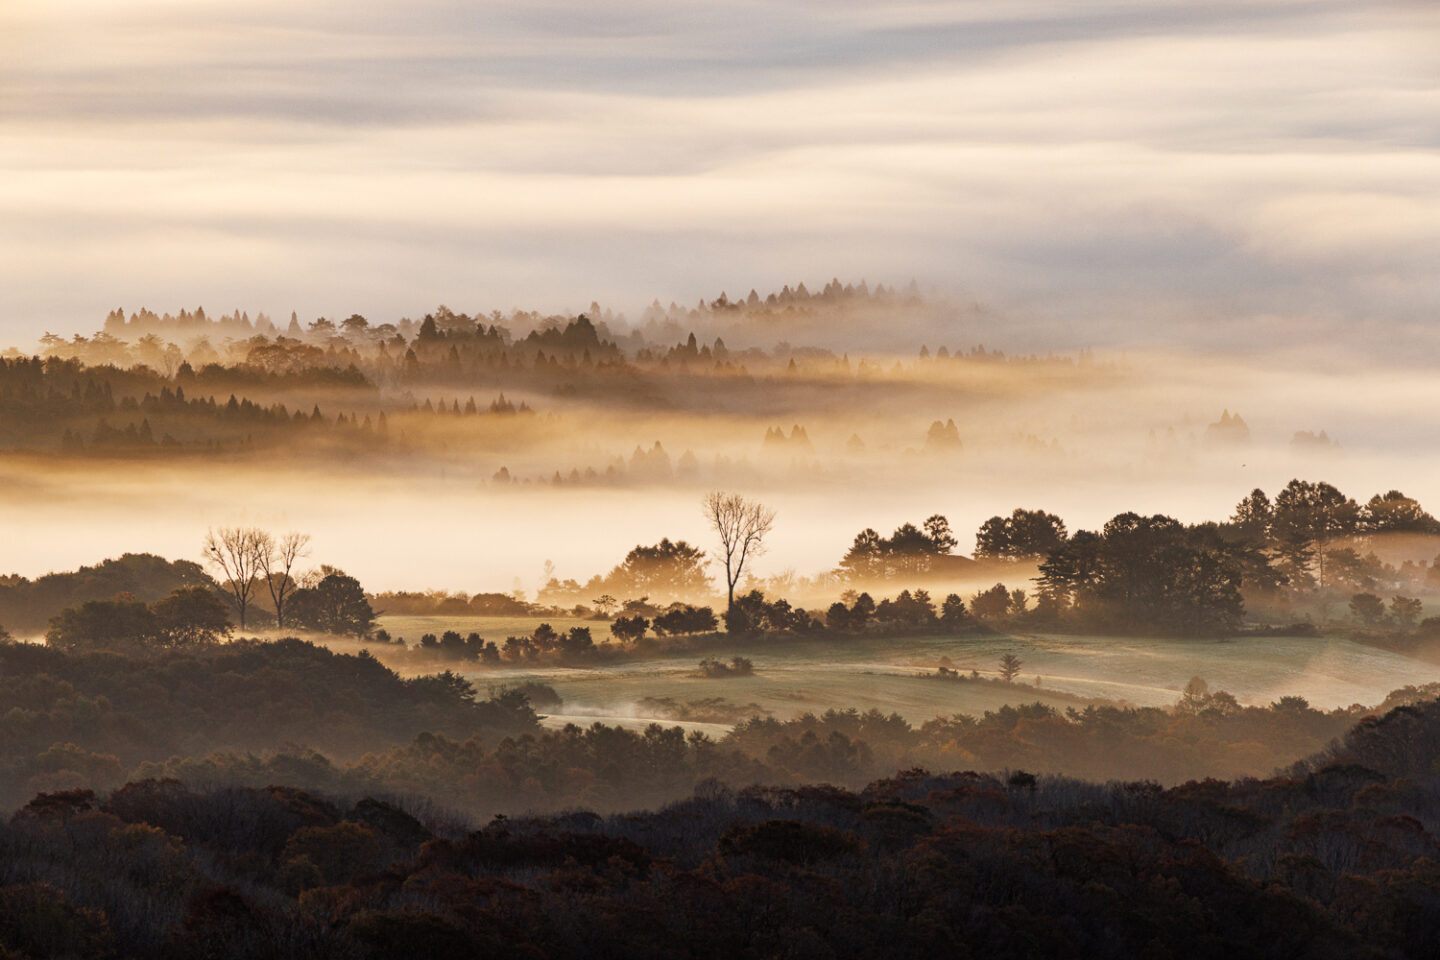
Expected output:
(481, 501)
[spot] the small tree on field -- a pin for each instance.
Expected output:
(1405, 611)
(1367, 608)
(1010, 667)
(862, 610)
(742, 526)
(337, 604)
(992, 603)
(953, 613)
(682, 618)
(629, 629)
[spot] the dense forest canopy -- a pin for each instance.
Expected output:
(1330, 859)
(27, 605)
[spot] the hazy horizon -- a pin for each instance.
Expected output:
(1223, 176)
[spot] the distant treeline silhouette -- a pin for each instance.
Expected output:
(61, 406)
(167, 384)
(1153, 574)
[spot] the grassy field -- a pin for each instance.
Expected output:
(789, 680)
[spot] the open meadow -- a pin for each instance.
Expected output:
(885, 674)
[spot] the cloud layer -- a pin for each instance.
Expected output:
(1115, 172)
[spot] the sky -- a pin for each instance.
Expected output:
(1225, 175)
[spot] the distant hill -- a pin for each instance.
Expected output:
(1400, 743)
(26, 606)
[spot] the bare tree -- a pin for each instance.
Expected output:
(277, 562)
(239, 554)
(742, 525)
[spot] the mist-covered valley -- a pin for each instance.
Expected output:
(525, 506)
(475, 431)
(771, 481)
(401, 598)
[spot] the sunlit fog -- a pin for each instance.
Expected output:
(767, 480)
(480, 500)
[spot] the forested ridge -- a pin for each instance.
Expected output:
(151, 385)
(27, 605)
(1335, 859)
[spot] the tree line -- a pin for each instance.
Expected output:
(1153, 573)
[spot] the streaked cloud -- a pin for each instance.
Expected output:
(1107, 172)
